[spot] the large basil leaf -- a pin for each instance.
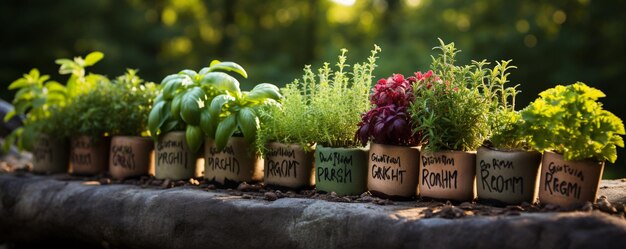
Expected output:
(263, 91)
(221, 81)
(227, 66)
(194, 137)
(248, 123)
(189, 106)
(225, 130)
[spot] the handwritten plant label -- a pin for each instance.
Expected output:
(569, 186)
(281, 162)
(288, 166)
(334, 167)
(568, 182)
(387, 168)
(448, 175)
(495, 177)
(224, 160)
(42, 150)
(81, 155)
(123, 156)
(172, 152)
(438, 171)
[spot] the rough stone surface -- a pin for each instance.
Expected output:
(131, 216)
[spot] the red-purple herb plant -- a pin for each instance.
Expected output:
(388, 121)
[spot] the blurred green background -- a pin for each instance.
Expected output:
(563, 41)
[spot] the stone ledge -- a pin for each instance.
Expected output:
(128, 216)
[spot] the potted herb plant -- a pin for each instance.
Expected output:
(393, 154)
(577, 136)
(46, 105)
(89, 147)
(451, 113)
(506, 168)
(131, 148)
(337, 104)
(42, 102)
(177, 112)
(231, 127)
(286, 139)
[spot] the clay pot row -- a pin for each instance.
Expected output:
(122, 156)
(494, 177)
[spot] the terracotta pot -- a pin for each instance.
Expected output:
(341, 170)
(236, 163)
(50, 155)
(130, 156)
(173, 159)
(448, 175)
(506, 177)
(568, 183)
(88, 156)
(393, 171)
(288, 165)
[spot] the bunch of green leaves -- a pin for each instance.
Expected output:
(505, 122)
(340, 99)
(43, 102)
(91, 112)
(182, 103)
(449, 110)
(570, 120)
(236, 112)
(291, 122)
(323, 108)
(131, 101)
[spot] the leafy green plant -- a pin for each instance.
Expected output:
(43, 102)
(131, 100)
(505, 122)
(449, 108)
(322, 108)
(235, 112)
(340, 99)
(91, 112)
(570, 120)
(182, 103)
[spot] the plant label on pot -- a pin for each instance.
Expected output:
(506, 176)
(173, 159)
(130, 156)
(447, 175)
(288, 166)
(393, 170)
(567, 183)
(50, 155)
(341, 170)
(88, 157)
(235, 163)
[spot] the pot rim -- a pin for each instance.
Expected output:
(507, 150)
(580, 160)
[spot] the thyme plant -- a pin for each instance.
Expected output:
(321, 108)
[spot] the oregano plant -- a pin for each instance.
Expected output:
(570, 120)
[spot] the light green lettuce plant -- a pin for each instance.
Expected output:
(570, 120)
